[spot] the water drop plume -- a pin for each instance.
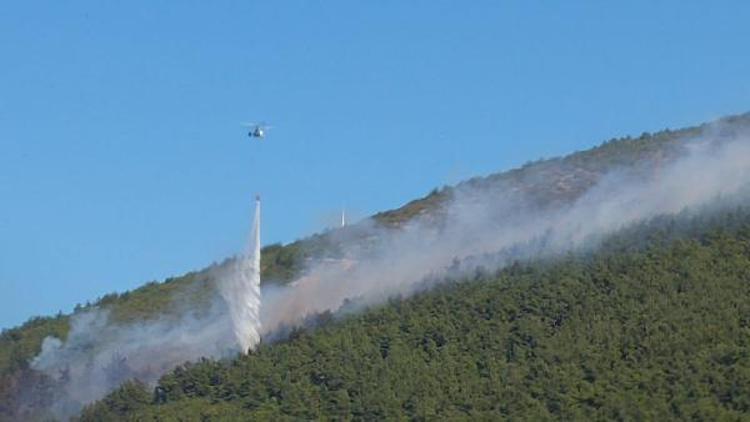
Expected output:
(241, 290)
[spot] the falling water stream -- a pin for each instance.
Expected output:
(241, 290)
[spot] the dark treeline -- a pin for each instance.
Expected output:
(654, 329)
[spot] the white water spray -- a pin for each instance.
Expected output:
(241, 290)
(99, 354)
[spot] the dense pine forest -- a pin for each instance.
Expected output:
(631, 333)
(652, 325)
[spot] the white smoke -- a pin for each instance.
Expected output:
(100, 354)
(478, 223)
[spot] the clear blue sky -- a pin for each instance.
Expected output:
(122, 159)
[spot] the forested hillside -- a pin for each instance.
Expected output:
(635, 332)
(677, 271)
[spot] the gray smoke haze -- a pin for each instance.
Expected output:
(478, 223)
(378, 263)
(99, 354)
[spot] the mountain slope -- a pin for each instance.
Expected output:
(655, 333)
(549, 182)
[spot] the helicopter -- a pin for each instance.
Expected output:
(257, 130)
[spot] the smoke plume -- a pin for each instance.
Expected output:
(479, 222)
(556, 207)
(99, 354)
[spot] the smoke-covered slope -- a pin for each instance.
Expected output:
(543, 185)
(633, 332)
